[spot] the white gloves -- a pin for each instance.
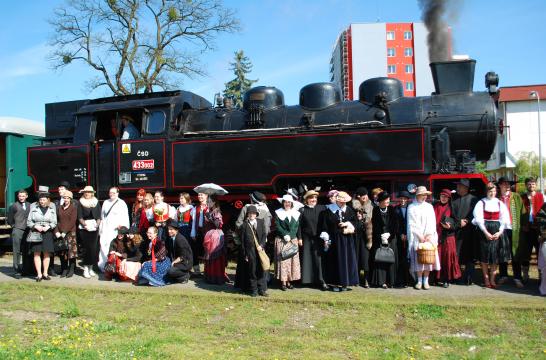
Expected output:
(286, 238)
(385, 238)
(324, 236)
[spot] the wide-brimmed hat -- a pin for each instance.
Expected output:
(69, 194)
(172, 223)
(309, 194)
(405, 194)
(383, 195)
(342, 196)
(88, 188)
(446, 192)
(286, 197)
(422, 190)
(505, 179)
(464, 182)
(252, 210)
(257, 196)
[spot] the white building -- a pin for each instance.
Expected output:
(519, 110)
(397, 50)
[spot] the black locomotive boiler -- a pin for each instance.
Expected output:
(383, 138)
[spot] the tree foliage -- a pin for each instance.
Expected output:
(528, 165)
(237, 87)
(138, 45)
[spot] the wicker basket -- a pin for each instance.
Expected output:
(426, 257)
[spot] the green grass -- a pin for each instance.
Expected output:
(40, 321)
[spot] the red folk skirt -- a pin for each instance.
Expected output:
(450, 269)
(215, 270)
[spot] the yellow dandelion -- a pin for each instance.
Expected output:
(38, 352)
(34, 321)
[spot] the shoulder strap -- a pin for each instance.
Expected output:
(111, 207)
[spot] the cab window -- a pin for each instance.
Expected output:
(156, 122)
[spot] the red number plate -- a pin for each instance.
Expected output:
(143, 164)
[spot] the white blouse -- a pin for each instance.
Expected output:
(491, 205)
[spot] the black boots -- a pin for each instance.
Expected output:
(64, 266)
(71, 267)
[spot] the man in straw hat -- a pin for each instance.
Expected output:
(465, 232)
(421, 230)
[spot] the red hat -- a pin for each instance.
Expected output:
(446, 192)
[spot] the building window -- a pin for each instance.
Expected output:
(409, 69)
(391, 69)
(409, 85)
(408, 52)
(390, 35)
(391, 52)
(407, 35)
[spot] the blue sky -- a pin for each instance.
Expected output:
(288, 42)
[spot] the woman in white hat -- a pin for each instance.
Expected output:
(422, 229)
(287, 221)
(89, 221)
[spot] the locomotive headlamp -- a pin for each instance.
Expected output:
(491, 82)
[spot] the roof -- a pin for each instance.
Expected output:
(15, 125)
(521, 93)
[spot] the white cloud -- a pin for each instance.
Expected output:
(27, 62)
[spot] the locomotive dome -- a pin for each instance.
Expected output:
(267, 97)
(319, 96)
(391, 88)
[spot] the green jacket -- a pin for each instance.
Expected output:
(287, 225)
(517, 210)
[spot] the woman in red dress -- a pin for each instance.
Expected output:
(447, 251)
(213, 244)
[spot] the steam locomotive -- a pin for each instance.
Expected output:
(382, 139)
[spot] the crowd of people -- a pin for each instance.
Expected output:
(360, 240)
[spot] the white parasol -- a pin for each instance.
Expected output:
(210, 189)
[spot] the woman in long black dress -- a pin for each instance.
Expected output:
(89, 220)
(338, 234)
(311, 247)
(384, 233)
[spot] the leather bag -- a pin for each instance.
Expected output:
(385, 255)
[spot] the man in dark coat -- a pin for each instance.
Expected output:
(179, 251)
(17, 219)
(252, 231)
(462, 211)
(312, 247)
(401, 212)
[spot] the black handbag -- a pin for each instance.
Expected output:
(384, 254)
(289, 250)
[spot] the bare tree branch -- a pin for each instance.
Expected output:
(138, 45)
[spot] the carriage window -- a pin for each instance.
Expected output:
(156, 123)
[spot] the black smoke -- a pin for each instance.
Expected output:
(434, 13)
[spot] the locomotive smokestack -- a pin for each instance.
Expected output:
(438, 38)
(453, 76)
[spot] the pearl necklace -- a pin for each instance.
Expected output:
(383, 211)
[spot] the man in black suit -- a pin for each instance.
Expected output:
(179, 251)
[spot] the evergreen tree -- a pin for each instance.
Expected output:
(237, 87)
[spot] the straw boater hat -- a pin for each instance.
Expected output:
(69, 194)
(309, 194)
(422, 190)
(342, 196)
(88, 188)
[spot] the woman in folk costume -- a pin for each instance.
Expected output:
(124, 257)
(338, 234)
(162, 212)
(89, 218)
(491, 217)
(311, 246)
(146, 214)
(364, 208)
(197, 233)
(114, 215)
(384, 234)
(251, 275)
(287, 220)
(65, 232)
(422, 234)
(213, 245)
(447, 249)
(183, 215)
(137, 208)
(154, 270)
